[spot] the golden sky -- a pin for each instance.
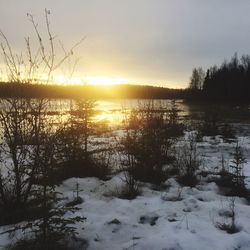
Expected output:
(136, 41)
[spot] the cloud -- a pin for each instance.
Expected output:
(143, 40)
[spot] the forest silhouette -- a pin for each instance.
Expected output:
(96, 92)
(228, 82)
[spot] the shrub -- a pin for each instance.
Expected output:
(130, 190)
(232, 177)
(23, 122)
(231, 227)
(188, 162)
(174, 128)
(147, 141)
(238, 185)
(79, 156)
(210, 122)
(227, 132)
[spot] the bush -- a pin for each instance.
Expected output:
(147, 141)
(227, 132)
(23, 124)
(174, 127)
(188, 162)
(210, 122)
(73, 140)
(232, 177)
(30, 143)
(231, 227)
(130, 190)
(37, 244)
(238, 185)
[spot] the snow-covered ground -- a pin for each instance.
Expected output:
(176, 218)
(155, 221)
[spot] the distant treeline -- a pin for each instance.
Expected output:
(95, 92)
(228, 82)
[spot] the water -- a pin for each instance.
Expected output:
(113, 112)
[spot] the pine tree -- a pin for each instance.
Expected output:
(237, 170)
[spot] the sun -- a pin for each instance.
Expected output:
(62, 80)
(103, 80)
(89, 80)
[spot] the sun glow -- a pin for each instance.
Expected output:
(101, 80)
(62, 80)
(91, 80)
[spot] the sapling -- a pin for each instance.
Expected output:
(77, 199)
(225, 176)
(238, 164)
(131, 186)
(175, 128)
(238, 187)
(188, 161)
(147, 140)
(231, 227)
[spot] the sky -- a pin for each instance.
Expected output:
(155, 42)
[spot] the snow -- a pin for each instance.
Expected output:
(176, 218)
(183, 224)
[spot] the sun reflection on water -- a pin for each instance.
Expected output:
(111, 112)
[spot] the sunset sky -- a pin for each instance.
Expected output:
(137, 41)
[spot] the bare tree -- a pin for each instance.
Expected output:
(39, 61)
(23, 120)
(197, 79)
(29, 148)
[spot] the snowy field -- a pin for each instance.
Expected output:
(176, 217)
